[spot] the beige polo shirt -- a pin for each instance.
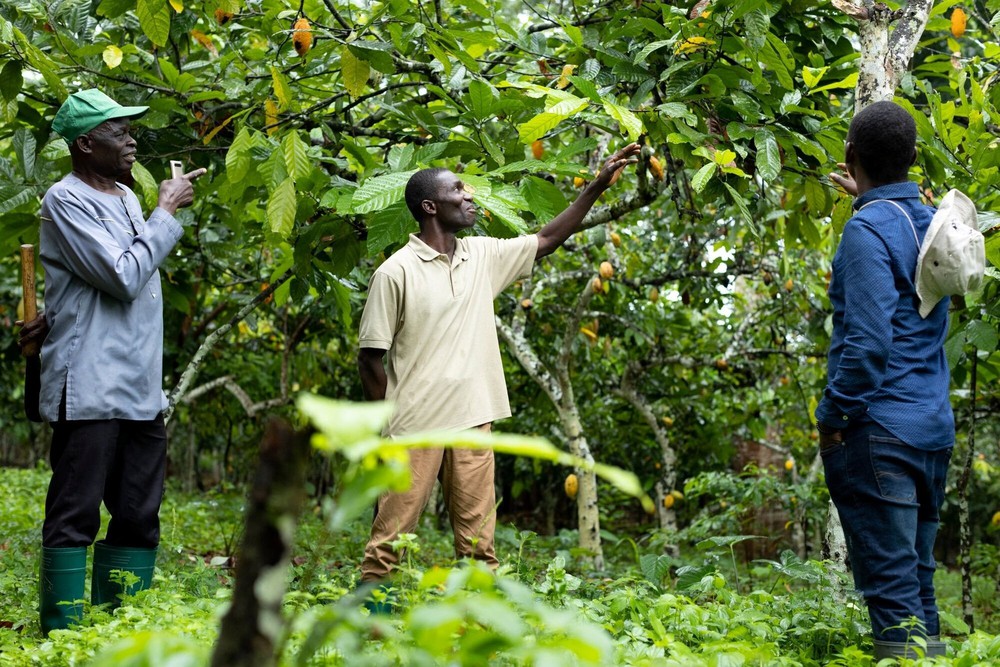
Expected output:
(436, 320)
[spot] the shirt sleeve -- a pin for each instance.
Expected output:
(382, 315)
(870, 300)
(91, 253)
(510, 259)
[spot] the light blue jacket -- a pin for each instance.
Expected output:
(103, 303)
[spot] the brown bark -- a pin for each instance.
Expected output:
(253, 623)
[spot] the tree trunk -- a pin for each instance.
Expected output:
(253, 623)
(964, 516)
(885, 56)
(587, 507)
(668, 474)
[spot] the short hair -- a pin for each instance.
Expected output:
(885, 138)
(422, 185)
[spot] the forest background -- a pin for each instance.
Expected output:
(682, 336)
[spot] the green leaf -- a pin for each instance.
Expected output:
(587, 88)
(238, 156)
(13, 196)
(640, 58)
(545, 121)
(768, 157)
(816, 198)
(296, 159)
(544, 199)
(703, 176)
(154, 19)
(381, 191)
(354, 71)
(849, 81)
(282, 92)
(147, 185)
(389, 227)
(11, 80)
(981, 335)
(742, 206)
(501, 211)
(628, 121)
(813, 75)
(24, 148)
(281, 209)
(482, 99)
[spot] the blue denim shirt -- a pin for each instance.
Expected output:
(886, 364)
(103, 303)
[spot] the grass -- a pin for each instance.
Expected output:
(545, 608)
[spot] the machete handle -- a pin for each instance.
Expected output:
(28, 291)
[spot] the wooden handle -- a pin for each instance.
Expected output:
(28, 282)
(30, 298)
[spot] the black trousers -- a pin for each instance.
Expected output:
(117, 461)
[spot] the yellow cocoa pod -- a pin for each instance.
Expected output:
(654, 294)
(667, 421)
(578, 182)
(302, 36)
(571, 485)
(597, 285)
(655, 168)
(537, 149)
(790, 465)
(668, 501)
(958, 22)
(789, 284)
(616, 240)
(607, 270)
(526, 304)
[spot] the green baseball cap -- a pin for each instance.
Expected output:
(85, 110)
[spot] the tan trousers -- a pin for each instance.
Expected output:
(467, 480)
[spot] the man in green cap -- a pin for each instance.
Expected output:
(101, 379)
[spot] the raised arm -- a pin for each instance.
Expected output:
(564, 225)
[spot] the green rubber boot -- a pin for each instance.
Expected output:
(107, 588)
(62, 575)
(910, 650)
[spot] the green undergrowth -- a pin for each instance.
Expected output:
(542, 608)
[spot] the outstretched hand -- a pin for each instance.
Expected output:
(845, 180)
(614, 166)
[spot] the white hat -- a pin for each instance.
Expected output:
(952, 257)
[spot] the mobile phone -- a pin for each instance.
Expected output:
(176, 169)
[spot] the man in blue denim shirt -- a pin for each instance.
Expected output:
(885, 421)
(101, 381)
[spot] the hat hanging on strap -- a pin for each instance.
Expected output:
(952, 257)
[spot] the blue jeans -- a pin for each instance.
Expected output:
(888, 495)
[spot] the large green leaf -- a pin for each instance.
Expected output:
(296, 159)
(351, 429)
(628, 121)
(550, 118)
(381, 191)
(154, 19)
(355, 72)
(482, 98)
(281, 209)
(768, 157)
(238, 156)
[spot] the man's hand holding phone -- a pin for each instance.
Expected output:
(177, 191)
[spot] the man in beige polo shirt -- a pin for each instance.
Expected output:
(429, 344)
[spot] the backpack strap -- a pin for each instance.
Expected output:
(901, 210)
